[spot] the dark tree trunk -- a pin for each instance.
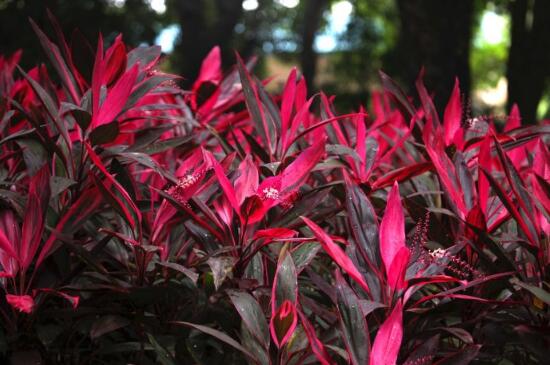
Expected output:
(436, 35)
(529, 56)
(204, 24)
(313, 14)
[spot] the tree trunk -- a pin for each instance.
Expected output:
(436, 35)
(204, 24)
(529, 56)
(313, 14)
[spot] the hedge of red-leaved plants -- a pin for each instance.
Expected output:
(142, 224)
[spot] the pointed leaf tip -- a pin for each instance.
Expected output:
(392, 228)
(336, 253)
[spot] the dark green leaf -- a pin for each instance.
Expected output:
(107, 324)
(252, 315)
(352, 322)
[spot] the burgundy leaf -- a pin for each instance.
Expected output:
(33, 224)
(131, 211)
(316, 345)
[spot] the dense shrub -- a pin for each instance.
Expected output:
(141, 223)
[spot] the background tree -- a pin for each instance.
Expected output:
(436, 35)
(134, 18)
(203, 25)
(312, 18)
(397, 36)
(528, 68)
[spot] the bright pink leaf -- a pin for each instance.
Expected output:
(116, 98)
(433, 140)
(210, 69)
(297, 172)
(287, 102)
(453, 117)
(23, 303)
(392, 231)
(398, 269)
(222, 180)
(274, 233)
(541, 160)
(336, 253)
(246, 184)
(388, 339)
(514, 119)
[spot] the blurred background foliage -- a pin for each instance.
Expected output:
(499, 49)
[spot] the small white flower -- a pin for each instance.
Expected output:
(270, 193)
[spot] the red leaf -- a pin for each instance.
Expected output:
(116, 98)
(288, 102)
(518, 154)
(222, 180)
(360, 133)
(296, 173)
(388, 339)
(246, 184)
(115, 61)
(514, 119)
(433, 139)
(401, 174)
(541, 160)
(23, 303)
(392, 237)
(398, 269)
(283, 323)
(210, 69)
(453, 117)
(475, 218)
(301, 115)
(337, 254)
(274, 233)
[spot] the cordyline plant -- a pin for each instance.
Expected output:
(143, 224)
